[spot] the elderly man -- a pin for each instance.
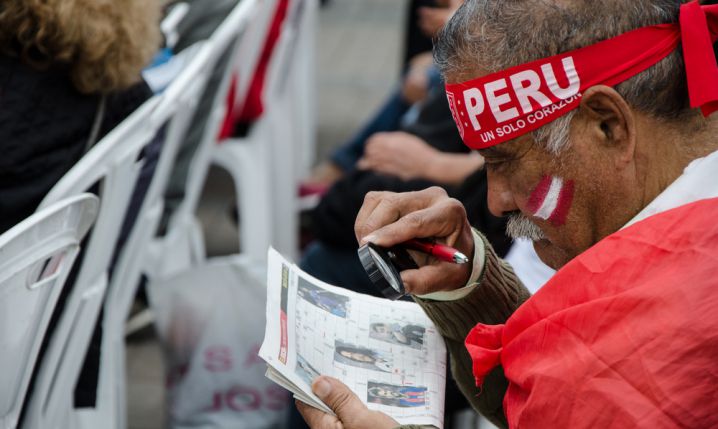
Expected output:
(585, 113)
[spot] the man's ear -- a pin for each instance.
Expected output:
(609, 121)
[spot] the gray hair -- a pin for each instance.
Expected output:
(492, 35)
(521, 226)
(554, 135)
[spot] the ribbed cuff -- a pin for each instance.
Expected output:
(499, 295)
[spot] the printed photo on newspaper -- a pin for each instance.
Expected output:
(388, 352)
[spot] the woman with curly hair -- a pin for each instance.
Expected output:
(69, 73)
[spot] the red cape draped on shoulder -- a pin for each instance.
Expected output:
(625, 335)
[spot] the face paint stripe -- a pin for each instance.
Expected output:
(539, 193)
(551, 200)
(558, 217)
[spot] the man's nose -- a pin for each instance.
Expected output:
(500, 198)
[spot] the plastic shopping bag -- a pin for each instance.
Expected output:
(210, 320)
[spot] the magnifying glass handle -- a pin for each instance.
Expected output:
(439, 251)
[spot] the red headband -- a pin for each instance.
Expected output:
(504, 105)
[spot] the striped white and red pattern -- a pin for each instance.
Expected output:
(551, 199)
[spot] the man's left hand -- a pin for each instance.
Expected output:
(350, 412)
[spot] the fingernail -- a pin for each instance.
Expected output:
(322, 388)
(368, 239)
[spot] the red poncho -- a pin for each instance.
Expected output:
(623, 336)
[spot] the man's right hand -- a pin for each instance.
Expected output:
(388, 218)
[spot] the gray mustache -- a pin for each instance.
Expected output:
(520, 226)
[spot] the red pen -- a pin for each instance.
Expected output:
(439, 251)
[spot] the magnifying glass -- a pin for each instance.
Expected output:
(383, 266)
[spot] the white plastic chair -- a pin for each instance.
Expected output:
(176, 108)
(247, 159)
(35, 259)
(173, 112)
(115, 164)
(183, 245)
(168, 120)
(112, 166)
(267, 163)
(301, 81)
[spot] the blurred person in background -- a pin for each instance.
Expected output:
(69, 73)
(410, 144)
(433, 19)
(399, 110)
(423, 18)
(419, 78)
(426, 153)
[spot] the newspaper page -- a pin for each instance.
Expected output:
(388, 352)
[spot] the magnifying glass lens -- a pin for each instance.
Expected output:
(383, 266)
(387, 271)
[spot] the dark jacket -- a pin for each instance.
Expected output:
(45, 125)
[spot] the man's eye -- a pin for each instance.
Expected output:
(496, 165)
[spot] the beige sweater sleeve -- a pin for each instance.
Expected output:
(498, 295)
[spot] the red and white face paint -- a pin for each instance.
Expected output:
(502, 106)
(551, 199)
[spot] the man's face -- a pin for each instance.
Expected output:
(586, 192)
(538, 191)
(574, 198)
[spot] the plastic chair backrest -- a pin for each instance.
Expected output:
(35, 259)
(303, 86)
(291, 81)
(249, 50)
(116, 163)
(266, 163)
(284, 134)
(112, 167)
(227, 39)
(178, 106)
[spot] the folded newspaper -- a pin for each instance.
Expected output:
(387, 352)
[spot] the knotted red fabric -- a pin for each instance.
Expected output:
(502, 106)
(623, 336)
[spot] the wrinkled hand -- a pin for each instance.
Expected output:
(415, 85)
(398, 154)
(350, 412)
(388, 218)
